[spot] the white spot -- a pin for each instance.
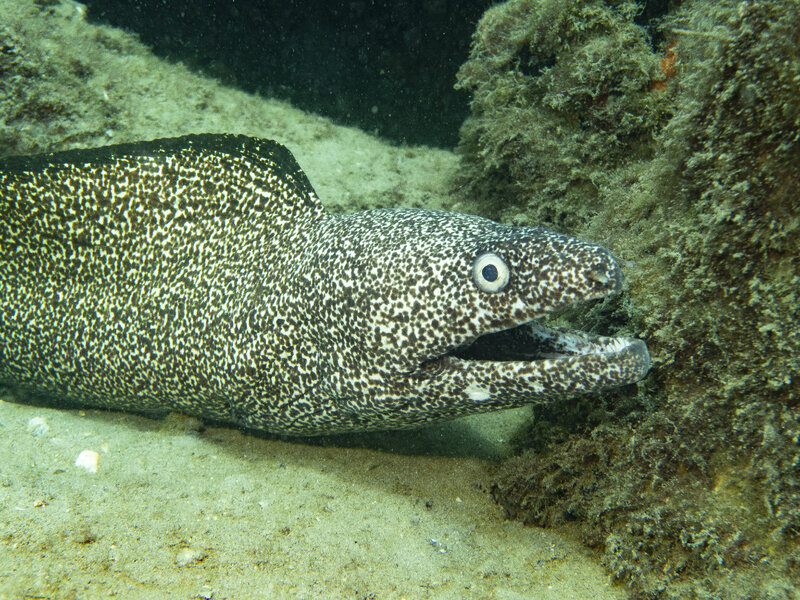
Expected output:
(88, 459)
(189, 556)
(477, 393)
(518, 306)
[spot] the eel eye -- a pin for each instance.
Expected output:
(490, 272)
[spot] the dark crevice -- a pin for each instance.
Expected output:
(387, 67)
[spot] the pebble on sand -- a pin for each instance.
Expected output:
(88, 459)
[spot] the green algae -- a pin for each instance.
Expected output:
(560, 96)
(681, 156)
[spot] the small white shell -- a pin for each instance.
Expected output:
(88, 459)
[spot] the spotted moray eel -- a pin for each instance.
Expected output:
(202, 275)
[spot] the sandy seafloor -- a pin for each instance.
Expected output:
(177, 510)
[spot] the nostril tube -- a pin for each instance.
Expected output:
(609, 276)
(598, 276)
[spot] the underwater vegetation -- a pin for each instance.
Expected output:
(671, 138)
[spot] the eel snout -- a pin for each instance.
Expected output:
(524, 358)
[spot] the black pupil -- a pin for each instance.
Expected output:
(489, 273)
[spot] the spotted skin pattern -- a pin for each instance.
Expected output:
(202, 275)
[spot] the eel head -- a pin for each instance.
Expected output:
(435, 315)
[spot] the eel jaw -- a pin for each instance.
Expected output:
(536, 341)
(535, 361)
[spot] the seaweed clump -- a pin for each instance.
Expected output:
(559, 97)
(682, 155)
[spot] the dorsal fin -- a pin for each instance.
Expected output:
(269, 155)
(73, 208)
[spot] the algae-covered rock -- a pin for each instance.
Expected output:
(682, 155)
(561, 93)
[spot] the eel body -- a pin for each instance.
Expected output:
(202, 275)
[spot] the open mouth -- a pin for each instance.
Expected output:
(535, 341)
(541, 358)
